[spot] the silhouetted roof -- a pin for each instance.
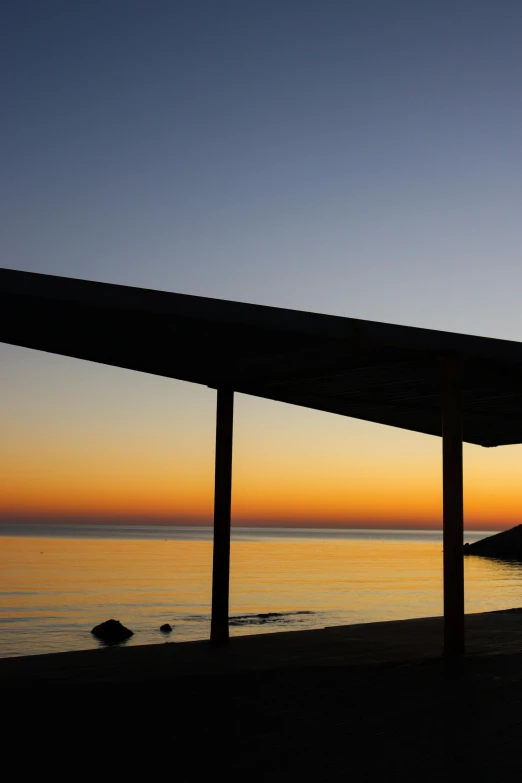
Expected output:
(373, 371)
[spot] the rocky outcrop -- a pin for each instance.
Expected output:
(111, 632)
(166, 628)
(502, 546)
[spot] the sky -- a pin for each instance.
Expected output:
(354, 157)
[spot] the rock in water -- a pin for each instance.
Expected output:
(111, 632)
(166, 628)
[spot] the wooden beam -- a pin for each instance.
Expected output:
(222, 507)
(453, 508)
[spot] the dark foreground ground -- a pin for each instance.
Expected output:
(189, 713)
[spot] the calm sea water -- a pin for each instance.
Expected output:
(57, 582)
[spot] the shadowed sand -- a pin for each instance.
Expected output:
(402, 640)
(366, 701)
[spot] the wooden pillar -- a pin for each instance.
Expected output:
(222, 505)
(453, 508)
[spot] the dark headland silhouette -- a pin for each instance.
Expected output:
(502, 546)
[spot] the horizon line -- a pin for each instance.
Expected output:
(120, 522)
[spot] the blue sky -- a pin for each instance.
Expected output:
(356, 157)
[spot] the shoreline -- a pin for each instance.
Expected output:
(488, 633)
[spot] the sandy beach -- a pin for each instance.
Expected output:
(372, 700)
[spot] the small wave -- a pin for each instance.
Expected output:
(265, 617)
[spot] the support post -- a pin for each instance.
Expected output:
(453, 508)
(222, 506)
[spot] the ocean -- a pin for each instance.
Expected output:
(58, 581)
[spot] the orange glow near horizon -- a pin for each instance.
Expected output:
(304, 492)
(110, 444)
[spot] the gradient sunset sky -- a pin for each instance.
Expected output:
(355, 157)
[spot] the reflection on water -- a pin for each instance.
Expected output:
(54, 590)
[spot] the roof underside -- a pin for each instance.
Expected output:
(363, 369)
